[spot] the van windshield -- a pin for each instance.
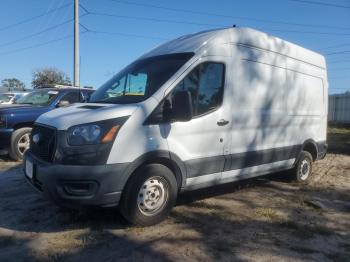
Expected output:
(140, 80)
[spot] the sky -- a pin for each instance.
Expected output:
(39, 33)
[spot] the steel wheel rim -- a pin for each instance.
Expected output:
(152, 196)
(23, 143)
(304, 169)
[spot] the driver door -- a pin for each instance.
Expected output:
(202, 141)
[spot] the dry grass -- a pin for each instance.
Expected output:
(268, 213)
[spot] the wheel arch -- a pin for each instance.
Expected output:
(163, 157)
(311, 147)
(23, 125)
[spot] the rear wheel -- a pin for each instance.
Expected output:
(20, 141)
(303, 168)
(149, 195)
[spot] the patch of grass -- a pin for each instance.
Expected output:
(303, 250)
(137, 230)
(339, 130)
(267, 213)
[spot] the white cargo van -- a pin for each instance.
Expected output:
(204, 109)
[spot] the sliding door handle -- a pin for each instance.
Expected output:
(222, 122)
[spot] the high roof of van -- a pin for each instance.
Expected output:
(213, 41)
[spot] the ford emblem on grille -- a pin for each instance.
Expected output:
(36, 138)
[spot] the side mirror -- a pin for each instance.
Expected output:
(63, 103)
(182, 109)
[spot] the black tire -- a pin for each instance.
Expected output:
(303, 168)
(17, 136)
(134, 201)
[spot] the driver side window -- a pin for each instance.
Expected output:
(206, 84)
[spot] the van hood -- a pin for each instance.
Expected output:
(82, 113)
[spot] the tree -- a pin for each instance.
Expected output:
(49, 76)
(13, 84)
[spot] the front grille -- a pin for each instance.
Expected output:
(45, 145)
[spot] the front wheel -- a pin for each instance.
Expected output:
(149, 195)
(20, 141)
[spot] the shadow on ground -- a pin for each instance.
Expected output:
(264, 217)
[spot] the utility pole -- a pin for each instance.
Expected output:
(76, 44)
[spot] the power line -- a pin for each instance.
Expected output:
(180, 10)
(36, 34)
(128, 35)
(340, 77)
(155, 19)
(333, 46)
(338, 53)
(204, 24)
(320, 3)
(38, 45)
(40, 24)
(84, 9)
(33, 18)
(88, 30)
(306, 32)
(338, 61)
(339, 69)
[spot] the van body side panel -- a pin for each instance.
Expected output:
(306, 102)
(259, 113)
(277, 102)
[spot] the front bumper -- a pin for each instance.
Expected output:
(76, 186)
(5, 137)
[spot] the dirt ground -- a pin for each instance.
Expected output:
(265, 219)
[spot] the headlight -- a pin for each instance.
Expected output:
(3, 121)
(88, 134)
(95, 133)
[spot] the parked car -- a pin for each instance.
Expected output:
(16, 120)
(11, 97)
(204, 109)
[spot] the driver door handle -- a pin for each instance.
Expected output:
(222, 122)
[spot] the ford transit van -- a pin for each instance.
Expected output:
(204, 109)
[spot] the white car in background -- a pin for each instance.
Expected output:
(11, 97)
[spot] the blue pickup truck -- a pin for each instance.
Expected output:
(16, 120)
